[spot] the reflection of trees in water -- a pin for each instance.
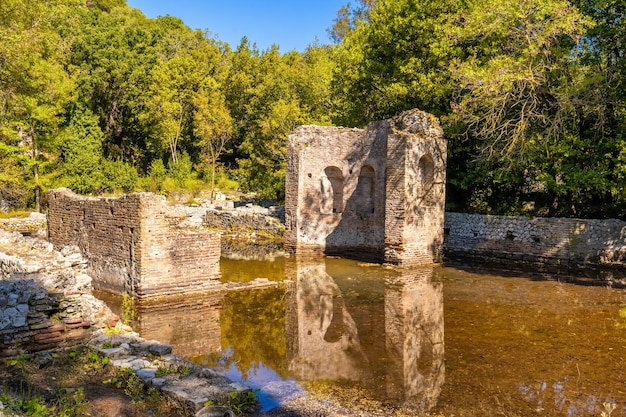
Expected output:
(253, 328)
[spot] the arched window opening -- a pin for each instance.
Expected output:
(365, 191)
(426, 168)
(331, 186)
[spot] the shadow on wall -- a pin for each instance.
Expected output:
(336, 203)
(381, 195)
(359, 204)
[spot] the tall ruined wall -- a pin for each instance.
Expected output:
(375, 193)
(547, 241)
(335, 191)
(105, 230)
(415, 200)
(133, 245)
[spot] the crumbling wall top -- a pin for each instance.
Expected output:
(417, 121)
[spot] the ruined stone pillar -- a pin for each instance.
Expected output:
(415, 189)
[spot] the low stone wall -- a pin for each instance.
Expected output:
(243, 220)
(248, 232)
(135, 244)
(34, 224)
(546, 241)
(32, 319)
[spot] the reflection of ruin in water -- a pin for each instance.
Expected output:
(389, 340)
(340, 322)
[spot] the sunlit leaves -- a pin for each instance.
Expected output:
(513, 87)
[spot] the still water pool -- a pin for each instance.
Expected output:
(426, 339)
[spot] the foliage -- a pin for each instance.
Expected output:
(97, 97)
(129, 309)
(395, 60)
(239, 402)
(268, 96)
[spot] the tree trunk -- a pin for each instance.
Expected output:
(35, 153)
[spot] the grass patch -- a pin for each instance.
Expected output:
(70, 383)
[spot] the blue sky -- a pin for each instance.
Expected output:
(292, 24)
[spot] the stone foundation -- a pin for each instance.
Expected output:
(134, 244)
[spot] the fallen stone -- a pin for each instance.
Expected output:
(157, 382)
(152, 347)
(115, 352)
(146, 374)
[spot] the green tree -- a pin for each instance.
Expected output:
(213, 125)
(529, 101)
(186, 64)
(82, 154)
(398, 58)
(348, 17)
(268, 95)
(114, 51)
(34, 87)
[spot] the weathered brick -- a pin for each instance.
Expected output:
(375, 193)
(133, 244)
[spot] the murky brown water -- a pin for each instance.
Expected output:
(438, 340)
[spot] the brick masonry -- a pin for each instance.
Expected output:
(546, 241)
(134, 243)
(375, 193)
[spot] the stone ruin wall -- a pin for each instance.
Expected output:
(133, 244)
(415, 196)
(45, 297)
(375, 193)
(32, 319)
(322, 217)
(544, 241)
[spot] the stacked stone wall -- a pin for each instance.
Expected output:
(134, 244)
(33, 319)
(395, 214)
(547, 241)
(45, 297)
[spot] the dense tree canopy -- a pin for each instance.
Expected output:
(530, 94)
(97, 97)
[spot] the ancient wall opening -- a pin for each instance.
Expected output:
(374, 180)
(364, 192)
(331, 187)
